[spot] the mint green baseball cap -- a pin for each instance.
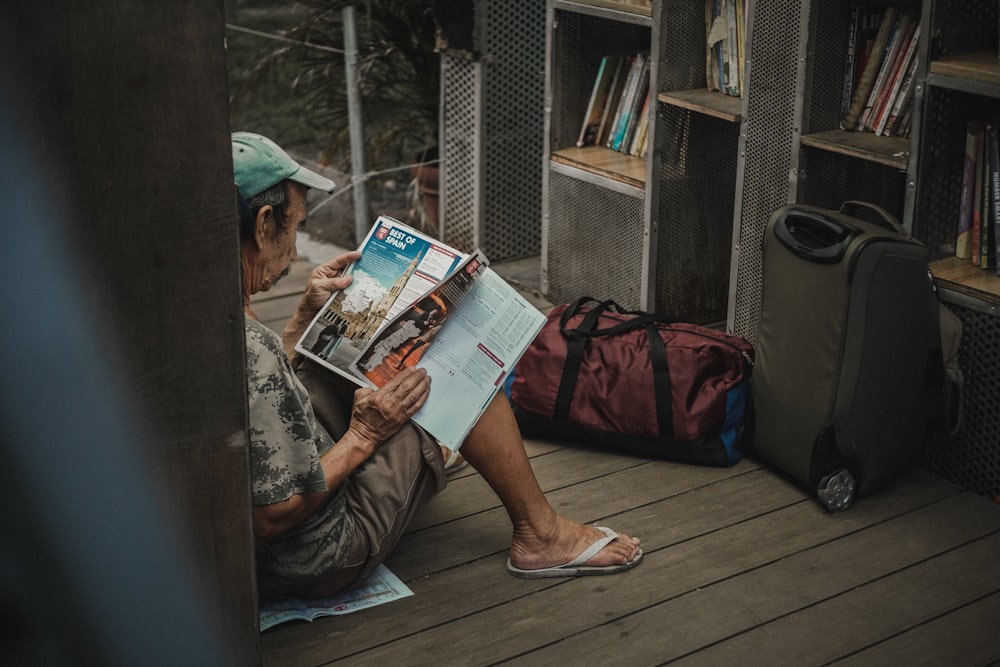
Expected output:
(259, 163)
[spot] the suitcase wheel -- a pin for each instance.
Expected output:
(836, 490)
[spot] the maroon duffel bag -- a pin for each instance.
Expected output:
(635, 381)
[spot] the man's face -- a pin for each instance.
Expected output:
(281, 251)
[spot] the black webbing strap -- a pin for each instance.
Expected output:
(578, 337)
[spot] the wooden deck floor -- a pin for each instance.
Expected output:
(741, 567)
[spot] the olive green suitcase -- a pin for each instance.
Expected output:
(848, 349)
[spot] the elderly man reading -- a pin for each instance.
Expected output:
(337, 471)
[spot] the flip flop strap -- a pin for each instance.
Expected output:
(594, 548)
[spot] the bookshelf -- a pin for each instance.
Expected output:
(793, 150)
(651, 232)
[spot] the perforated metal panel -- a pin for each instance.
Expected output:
(460, 158)
(972, 457)
(777, 47)
(492, 132)
(697, 186)
(595, 242)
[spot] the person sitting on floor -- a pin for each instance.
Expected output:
(338, 472)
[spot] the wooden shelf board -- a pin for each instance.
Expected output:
(641, 7)
(890, 151)
(959, 275)
(605, 162)
(984, 67)
(705, 101)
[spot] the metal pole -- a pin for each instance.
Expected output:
(358, 167)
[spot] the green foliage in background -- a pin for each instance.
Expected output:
(301, 91)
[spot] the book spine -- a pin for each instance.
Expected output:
(902, 100)
(885, 68)
(977, 197)
(864, 88)
(640, 134)
(628, 95)
(849, 57)
(991, 171)
(720, 45)
(732, 44)
(593, 105)
(635, 108)
(902, 67)
(993, 247)
(963, 239)
(611, 103)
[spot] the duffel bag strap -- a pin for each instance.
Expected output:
(575, 345)
(577, 339)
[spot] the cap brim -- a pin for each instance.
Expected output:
(311, 179)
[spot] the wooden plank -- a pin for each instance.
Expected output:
(983, 67)
(462, 591)
(604, 162)
(959, 275)
(420, 554)
(705, 101)
(940, 641)
(756, 537)
(875, 612)
(789, 586)
(471, 494)
(889, 151)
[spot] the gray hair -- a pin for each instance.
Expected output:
(277, 196)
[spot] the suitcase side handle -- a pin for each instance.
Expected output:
(814, 237)
(882, 217)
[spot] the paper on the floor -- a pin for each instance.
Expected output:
(383, 586)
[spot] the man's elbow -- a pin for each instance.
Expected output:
(272, 521)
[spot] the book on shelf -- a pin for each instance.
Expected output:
(888, 61)
(611, 102)
(415, 301)
(991, 197)
(732, 50)
(715, 34)
(977, 195)
(635, 85)
(963, 236)
(598, 97)
(904, 61)
(871, 69)
(628, 75)
(639, 137)
(994, 149)
(725, 39)
(862, 31)
(633, 115)
(901, 104)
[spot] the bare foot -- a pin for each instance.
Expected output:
(564, 542)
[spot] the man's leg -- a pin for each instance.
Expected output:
(541, 537)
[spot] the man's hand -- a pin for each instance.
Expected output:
(377, 415)
(324, 280)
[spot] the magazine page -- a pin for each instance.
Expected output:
(402, 342)
(381, 587)
(471, 355)
(398, 264)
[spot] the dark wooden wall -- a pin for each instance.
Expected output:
(130, 100)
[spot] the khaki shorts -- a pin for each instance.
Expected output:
(385, 492)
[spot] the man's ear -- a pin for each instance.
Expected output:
(263, 229)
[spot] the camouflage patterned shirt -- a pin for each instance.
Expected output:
(286, 442)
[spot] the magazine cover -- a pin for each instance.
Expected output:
(398, 264)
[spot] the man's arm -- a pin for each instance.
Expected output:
(324, 280)
(375, 417)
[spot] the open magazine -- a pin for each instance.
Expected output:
(381, 587)
(415, 301)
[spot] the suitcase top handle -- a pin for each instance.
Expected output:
(822, 238)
